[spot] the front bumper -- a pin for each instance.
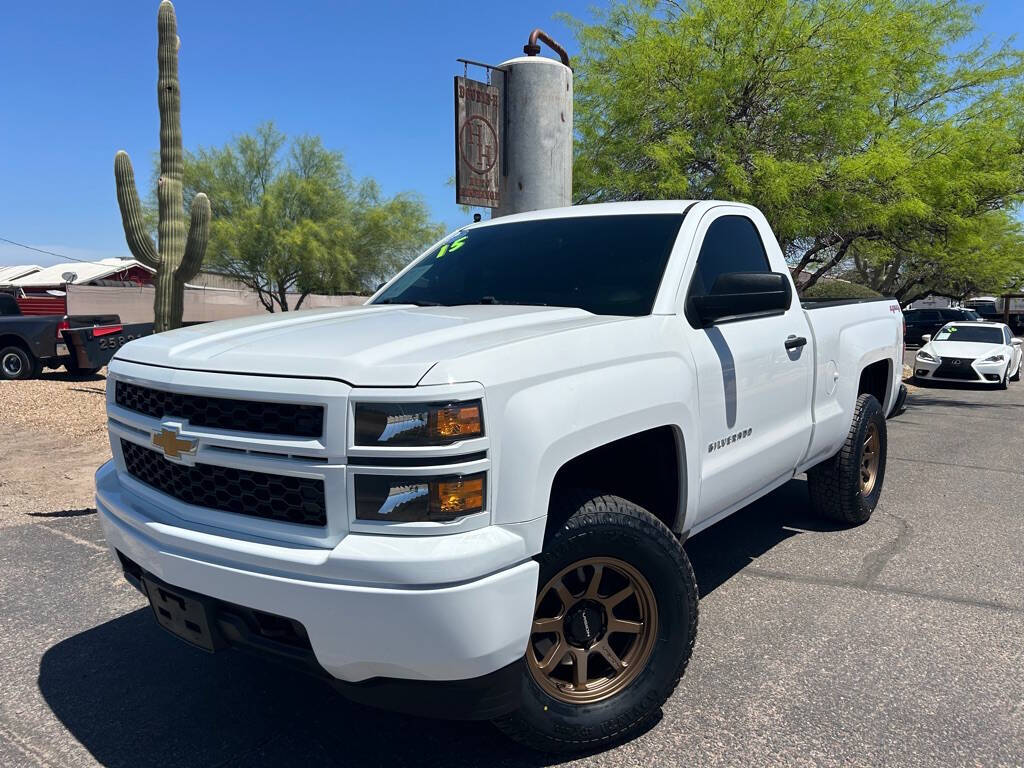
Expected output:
(364, 604)
(968, 372)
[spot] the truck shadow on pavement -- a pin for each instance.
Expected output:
(135, 696)
(720, 552)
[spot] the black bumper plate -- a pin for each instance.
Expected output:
(181, 614)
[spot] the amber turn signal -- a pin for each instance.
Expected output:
(461, 495)
(458, 421)
(404, 499)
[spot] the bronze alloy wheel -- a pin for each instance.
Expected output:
(593, 630)
(869, 460)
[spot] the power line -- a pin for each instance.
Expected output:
(49, 253)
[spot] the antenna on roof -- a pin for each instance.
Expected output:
(69, 277)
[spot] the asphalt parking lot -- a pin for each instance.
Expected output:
(900, 642)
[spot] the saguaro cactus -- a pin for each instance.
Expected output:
(178, 258)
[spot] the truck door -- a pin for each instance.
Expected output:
(753, 373)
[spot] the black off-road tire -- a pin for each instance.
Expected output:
(834, 484)
(22, 364)
(609, 526)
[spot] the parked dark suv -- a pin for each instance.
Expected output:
(922, 321)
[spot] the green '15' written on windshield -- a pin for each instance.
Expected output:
(451, 247)
(604, 264)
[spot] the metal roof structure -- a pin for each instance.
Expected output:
(7, 274)
(83, 273)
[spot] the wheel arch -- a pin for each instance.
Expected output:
(647, 468)
(876, 379)
(12, 340)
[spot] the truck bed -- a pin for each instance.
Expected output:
(849, 336)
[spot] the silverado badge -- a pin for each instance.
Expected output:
(173, 445)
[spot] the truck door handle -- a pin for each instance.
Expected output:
(795, 342)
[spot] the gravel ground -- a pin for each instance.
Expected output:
(53, 435)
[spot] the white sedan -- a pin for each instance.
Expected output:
(976, 352)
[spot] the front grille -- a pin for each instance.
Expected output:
(956, 368)
(242, 491)
(201, 411)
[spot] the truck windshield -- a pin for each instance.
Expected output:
(993, 335)
(607, 265)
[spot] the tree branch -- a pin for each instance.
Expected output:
(839, 255)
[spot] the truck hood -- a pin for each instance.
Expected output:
(383, 346)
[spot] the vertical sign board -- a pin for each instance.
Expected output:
(477, 143)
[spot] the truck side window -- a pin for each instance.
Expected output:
(731, 244)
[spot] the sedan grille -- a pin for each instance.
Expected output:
(223, 413)
(956, 368)
(256, 494)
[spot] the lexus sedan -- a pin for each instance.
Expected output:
(974, 352)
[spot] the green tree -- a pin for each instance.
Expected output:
(288, 218)
(983, 255)
(872, 134)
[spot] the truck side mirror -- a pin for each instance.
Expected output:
(925, 338)
(742, 295)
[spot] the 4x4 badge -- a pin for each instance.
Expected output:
(173, 445)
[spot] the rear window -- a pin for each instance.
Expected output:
(608, 265)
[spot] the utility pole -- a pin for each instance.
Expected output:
(536, 94)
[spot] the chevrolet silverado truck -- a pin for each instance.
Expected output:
(469, 496)
(30, 343)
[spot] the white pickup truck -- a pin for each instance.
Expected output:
(468, 497)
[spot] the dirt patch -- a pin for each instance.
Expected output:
(53, 436)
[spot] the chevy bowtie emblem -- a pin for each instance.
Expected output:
(173, 445)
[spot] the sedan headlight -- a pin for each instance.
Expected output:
(417, 424)
(994, 359)
(404, 499)
(922, 355)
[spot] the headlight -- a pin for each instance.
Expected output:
(922, 355)
(994, 359)
(407, 499)
(417, 424)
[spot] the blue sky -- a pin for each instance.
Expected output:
(374, 79)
